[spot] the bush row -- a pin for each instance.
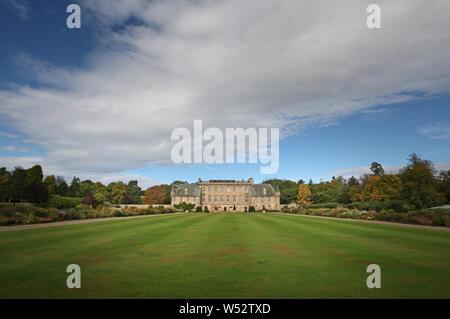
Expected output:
(397, 205)
(28, 214)
(423, 217)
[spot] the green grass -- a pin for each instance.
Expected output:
(225, 256)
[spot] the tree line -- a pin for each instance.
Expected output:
(418, 184)
(29, 185)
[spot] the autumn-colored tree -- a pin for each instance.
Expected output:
(303, 195)
(382, 188)
(154, 195)
(50, 182)
(118, 193)
(355, 193)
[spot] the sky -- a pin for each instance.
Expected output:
(101, 102)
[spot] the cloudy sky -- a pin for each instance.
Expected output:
(101, 102)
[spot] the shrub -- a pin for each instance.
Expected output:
(438, 220)
(62, 202)
(184, 206)
(206, 210)
(324, 205)
(5, 220)
(119, 213)
(198, 209)
(251, 209)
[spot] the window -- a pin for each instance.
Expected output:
(221, 199)
(234, 189)
(228, 198)
(215, 198)
(228, 189)
(209, 188)
(185, 191)
(215, 188)
(221, 189)
(264, 191)
(240, 198)
(209, 198)
(234, 198)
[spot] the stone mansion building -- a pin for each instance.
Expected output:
(227, 195)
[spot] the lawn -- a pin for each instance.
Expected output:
(225, 256)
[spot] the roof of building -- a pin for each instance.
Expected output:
(194, 190)
(187, 190)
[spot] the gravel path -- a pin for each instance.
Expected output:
(73, 222)
(373, 222)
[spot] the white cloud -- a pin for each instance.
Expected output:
(436, 131)
(445, 166)
(10, 135)
(12, 148)
(231, 63)
(20, 7)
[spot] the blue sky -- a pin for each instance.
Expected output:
(100, 102)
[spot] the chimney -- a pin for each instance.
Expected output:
(250, 180)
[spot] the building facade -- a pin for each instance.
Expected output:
(227, 195)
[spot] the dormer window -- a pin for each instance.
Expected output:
(264, 191)
(185, 191)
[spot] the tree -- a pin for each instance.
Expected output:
(51, 184)
(118, 193)
(382, 188)
(419, 185)
(100, 192)
(333, 191)
(167, 189)
(444, 184)
(5, 185)
(75, 187)
(86, 186)
(154, 195)
(303, 195)
(34, 175)
(35, 190)
(18, 184)
(90, 200)
(377, 169)
(134, 193)
(61, 187)
(352, 181)
(288, 189)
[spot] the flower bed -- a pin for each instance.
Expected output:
(422, 217)
(11, 214)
